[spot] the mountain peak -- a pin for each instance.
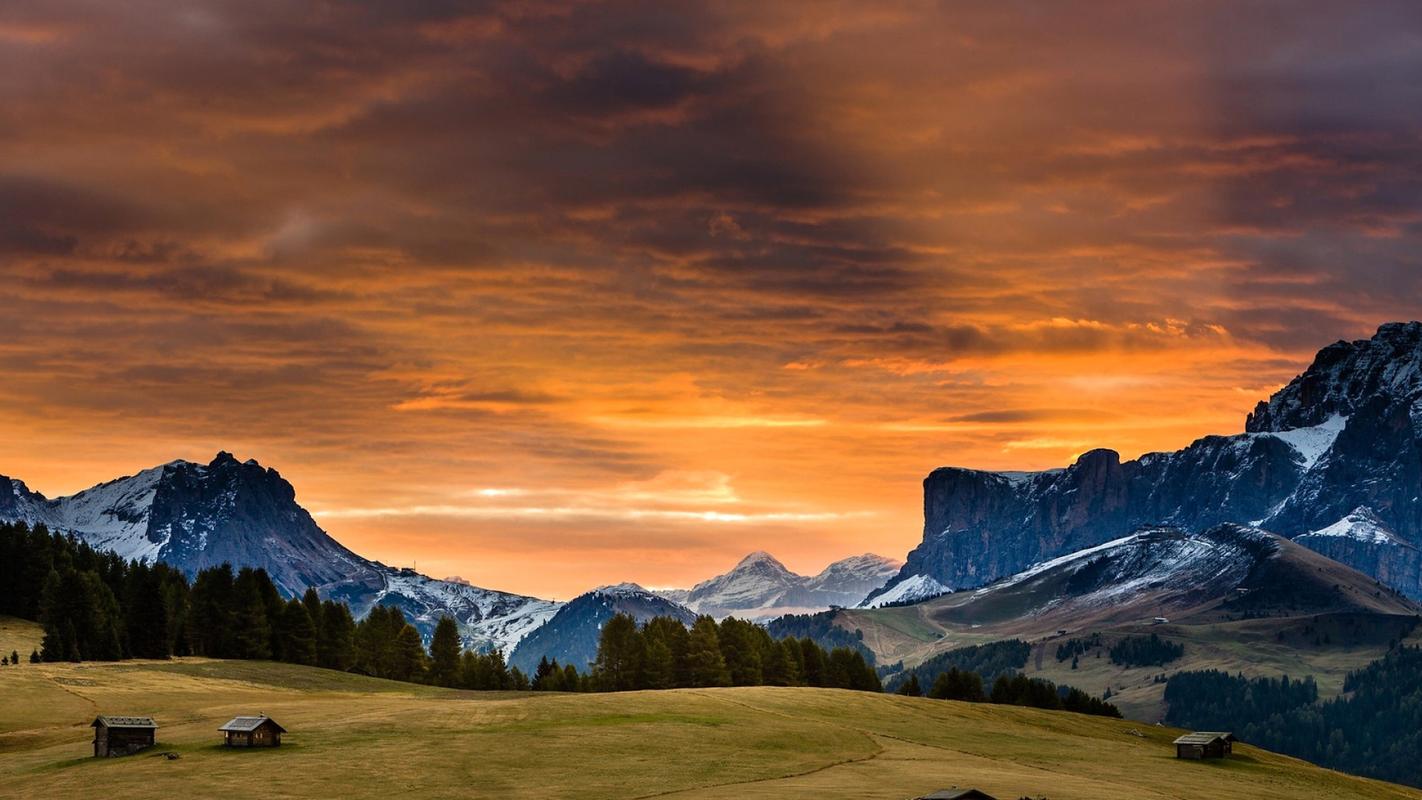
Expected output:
(1344, 376)
(760, 557)
(621, 589)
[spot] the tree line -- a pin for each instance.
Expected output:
(665, 654)
(1011, 689)
(95, 606)
(1374, 729)
(1145, 651)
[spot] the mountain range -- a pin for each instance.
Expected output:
(760, 587)
(193, 516)
(1333, 461)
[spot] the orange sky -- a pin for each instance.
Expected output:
(555, 295)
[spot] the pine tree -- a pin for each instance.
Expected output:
(740, 651)
(409, 655)
(777, 669)
(671, 632)
(620, 653)
(445, 648)
(910, 687)
(518, 681)
(212, 613)
(572, 681)
(705, 664)
(254, 630)
(298, 634)
(956, 684)
(146, 614)
(34, 656)
(813, 657)
(335, 639)
(540, 682)
(659, 669)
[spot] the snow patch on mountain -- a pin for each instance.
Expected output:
(1362, 524)
(912, 590)
(1311, 442)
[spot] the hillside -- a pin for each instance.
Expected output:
(1239, 598)
(356, 737)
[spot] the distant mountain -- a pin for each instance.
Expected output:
(194, 516)
(760, 587)
(1343, 436)
(571, 635)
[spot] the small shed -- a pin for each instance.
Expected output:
(121, 736)
(1205, 744)
(957, 794)
(258, 731)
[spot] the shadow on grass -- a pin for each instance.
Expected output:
(162, 750)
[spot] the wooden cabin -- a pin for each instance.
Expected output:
(259, 731)
(1205, 744)
(957, 794)
(121, 736)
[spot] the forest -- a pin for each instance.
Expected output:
(1145, 651)
(1373, 729)
(94, 606)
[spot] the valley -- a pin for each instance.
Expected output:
(357, 738)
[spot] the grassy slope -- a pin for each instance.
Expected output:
(1250, 646)
(355, 738)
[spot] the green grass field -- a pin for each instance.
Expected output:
(352, 737)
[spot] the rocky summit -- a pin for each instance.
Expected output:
(193, 516)
(1333, 460)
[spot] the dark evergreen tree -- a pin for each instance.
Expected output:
(409, 655)
(445, 649)
(620, 654)
(335, 640)
(705, 664)
(910, 687)
(298, 634)
(957, 685)
(813, 663)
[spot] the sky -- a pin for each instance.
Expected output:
(553, 295)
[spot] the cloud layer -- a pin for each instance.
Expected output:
(811, 250)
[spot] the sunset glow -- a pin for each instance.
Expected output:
(627, 294)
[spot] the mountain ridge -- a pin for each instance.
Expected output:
(760, 587)
(1344, 434)
(193, 516)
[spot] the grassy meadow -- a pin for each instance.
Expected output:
(352, 737)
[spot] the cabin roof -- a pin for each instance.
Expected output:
(1205, 737)
(248, 724)
(123, 722)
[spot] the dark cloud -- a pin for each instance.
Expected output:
(817, 246)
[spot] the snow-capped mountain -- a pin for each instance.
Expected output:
(571, 635)
(1345, 434)
(1226, 570)
(760, 587)
(194, 516)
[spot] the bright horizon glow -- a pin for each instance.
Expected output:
(555, 296)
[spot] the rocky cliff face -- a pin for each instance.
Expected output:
(1344, 435)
